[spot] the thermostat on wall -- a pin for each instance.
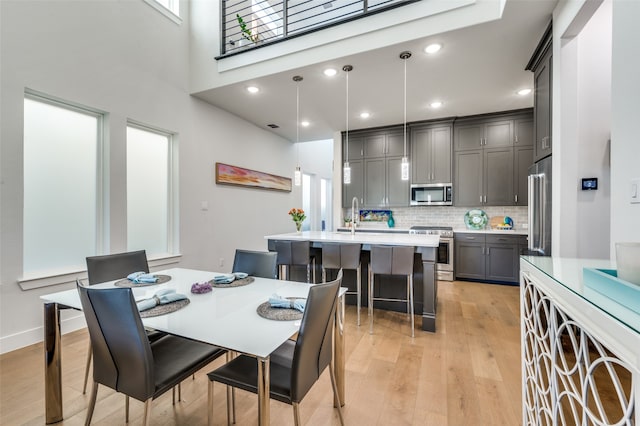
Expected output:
(589, 184)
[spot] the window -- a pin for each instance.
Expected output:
(62, 185)
(149, 190)
(306, 201)
(169, 8)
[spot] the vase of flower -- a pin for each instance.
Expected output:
(298, 217)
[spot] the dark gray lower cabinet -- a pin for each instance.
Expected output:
(487, 257)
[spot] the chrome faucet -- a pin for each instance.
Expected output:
(355, 214)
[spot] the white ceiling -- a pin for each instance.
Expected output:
(478, 70)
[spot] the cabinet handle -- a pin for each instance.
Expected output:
(470, 238)
(485, 199)
(545, 142)
(481, 199)
(516, 198)
(488, 251)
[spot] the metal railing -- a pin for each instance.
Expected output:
(249, 24)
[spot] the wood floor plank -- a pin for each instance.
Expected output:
(468, 373)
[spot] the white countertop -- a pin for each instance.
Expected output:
(361, 238)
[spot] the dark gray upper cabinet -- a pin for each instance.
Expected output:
(431, 153)
(375, 145)
(396, 188)
(356, 147)
(483, 133)
(384, 143)
(542, 108)
(485, 168)
(523, 131)
(395, 144)
(356, 187)
(467, 182)
(498, 177)
(541, 64)
(375, 173)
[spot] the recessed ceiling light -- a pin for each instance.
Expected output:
(252, 89)
(304, 123)
(330, 72)
(436, 104)
(365, 115)
(432, 48)
(523, 92)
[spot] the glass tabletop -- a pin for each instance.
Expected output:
(224, 317)
(570, 274)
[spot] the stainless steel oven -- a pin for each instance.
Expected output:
(444, 253)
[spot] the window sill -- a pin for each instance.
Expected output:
(52, 279)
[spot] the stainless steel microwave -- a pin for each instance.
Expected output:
(434, 194)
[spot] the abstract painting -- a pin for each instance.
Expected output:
(239, 176)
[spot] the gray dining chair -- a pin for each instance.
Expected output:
(295, 366)
(256, 263)
(391, 260)
(112, 267)
(125, 360)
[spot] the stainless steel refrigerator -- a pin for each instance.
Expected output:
(539, 181)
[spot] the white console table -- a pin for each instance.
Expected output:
(580, 349)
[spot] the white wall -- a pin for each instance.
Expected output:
(582, 119)
(594, 133)
(128, 60)
(625, 144)
(582, 128)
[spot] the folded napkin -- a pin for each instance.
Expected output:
(161, 297)
(277, 301)
(142, 277)
(224, 279)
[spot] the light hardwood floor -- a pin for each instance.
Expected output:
(468, 373)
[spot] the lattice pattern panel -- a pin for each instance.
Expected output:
(569, 377)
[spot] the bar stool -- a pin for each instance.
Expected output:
(391, 260)
(343, 256)
(294, 253)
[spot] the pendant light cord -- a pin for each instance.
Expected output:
(347, 120)
(405, 107)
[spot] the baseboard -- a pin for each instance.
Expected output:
(35, 335)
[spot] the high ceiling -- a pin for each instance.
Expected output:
(479, 69)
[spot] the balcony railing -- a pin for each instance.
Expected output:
(253, 23)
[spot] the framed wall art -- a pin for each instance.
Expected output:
(239, 176)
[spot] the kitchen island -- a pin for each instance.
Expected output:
(580, 344)
(424, 271)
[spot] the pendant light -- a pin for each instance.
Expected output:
(404, 171)
(297, 175)
(346, 171)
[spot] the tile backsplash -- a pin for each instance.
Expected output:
(406, 217)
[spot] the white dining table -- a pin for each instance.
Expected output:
(225, 317)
